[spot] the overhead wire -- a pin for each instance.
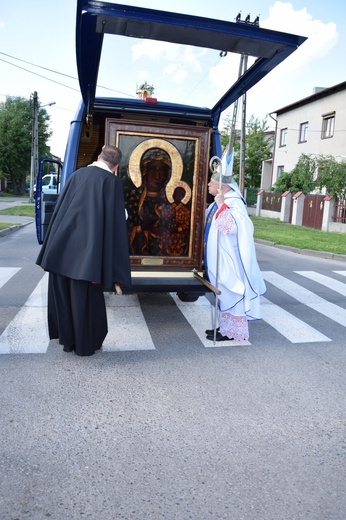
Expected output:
(202, 79)
(76, 79)
(36, 74)
(54, 72)
(107, 88)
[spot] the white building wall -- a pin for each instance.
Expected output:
(266, 177)
(312, 112)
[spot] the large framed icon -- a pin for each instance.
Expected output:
(164, 172)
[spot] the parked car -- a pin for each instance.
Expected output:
(49, 184)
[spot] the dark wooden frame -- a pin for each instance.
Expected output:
(192, 161)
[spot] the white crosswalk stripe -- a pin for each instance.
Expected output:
(127, 329)
(27, 333)
(306, 297)
(294, 329)
(200, 316)
(327, 281)
(6, 274)
(343, 273)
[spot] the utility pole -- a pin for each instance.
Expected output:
(34, 147)
(34, 144)
(242, 70)
(235, 111)
(243, 137)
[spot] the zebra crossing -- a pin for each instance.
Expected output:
(293, 328)
(27, 332)
(308, 298)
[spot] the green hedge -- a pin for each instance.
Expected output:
(251, 196)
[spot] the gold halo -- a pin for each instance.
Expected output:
(135, 161)
(170, 190)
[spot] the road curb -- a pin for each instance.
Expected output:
(12, 228)
(307, 252)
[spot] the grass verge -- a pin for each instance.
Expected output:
(299, 236)
(26, 210)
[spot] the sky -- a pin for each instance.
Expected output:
(37, 53)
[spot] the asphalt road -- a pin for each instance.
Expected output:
(178, 431)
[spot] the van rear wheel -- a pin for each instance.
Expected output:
(187, 297)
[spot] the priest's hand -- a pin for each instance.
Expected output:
(219, 198)
(118, 289)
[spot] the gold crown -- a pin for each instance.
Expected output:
(156, 154)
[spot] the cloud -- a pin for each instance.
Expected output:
(180, 61)
(179, 69)
(2, 24)
(291, 80)
(322, 37)
(225, 72)
(282, 17)
(284, 84)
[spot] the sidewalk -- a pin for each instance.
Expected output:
(9, 202)
(14, 222)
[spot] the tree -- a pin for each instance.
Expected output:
(225, 133)
(301, 178)
(332, 176)
(16, 117)
(283, 183)
(258, 147)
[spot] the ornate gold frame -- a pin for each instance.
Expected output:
(188, 150)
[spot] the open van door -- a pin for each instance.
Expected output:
(95, 19)
(45, 202)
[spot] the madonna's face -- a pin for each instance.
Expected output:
(157, 175)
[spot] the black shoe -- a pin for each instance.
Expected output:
(219, 337)
(210, 332)
(68, 349)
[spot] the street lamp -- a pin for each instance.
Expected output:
(34, 144)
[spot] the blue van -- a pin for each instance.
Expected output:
(183, 137)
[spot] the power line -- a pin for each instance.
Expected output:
(54, 72)
(38, 66)
(202, 79)
(40, 75)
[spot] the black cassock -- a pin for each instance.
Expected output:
(86, 252)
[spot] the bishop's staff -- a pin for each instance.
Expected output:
(215, 166)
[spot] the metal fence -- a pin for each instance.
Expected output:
(340, 211)
(271, 201)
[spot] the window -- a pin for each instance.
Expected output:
(328, 121)
(280, 171)
(303, 132)
(283, 137)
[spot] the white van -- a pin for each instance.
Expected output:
(49, 184)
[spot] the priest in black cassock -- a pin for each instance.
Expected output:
(86, 252)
